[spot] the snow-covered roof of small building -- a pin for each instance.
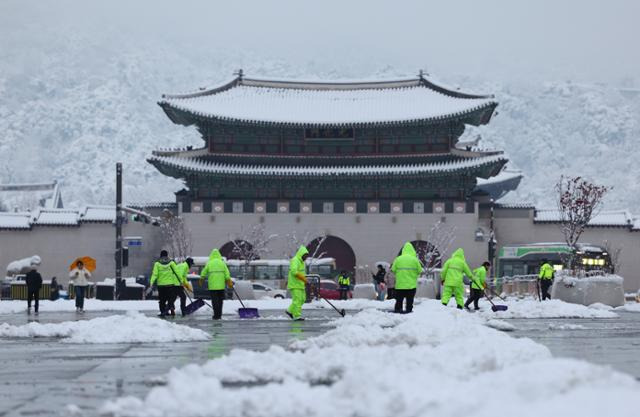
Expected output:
(55, 217)
(30, 196)
(254, 100)
(15, 220)
(98, 214)
(516, 205)
(613, 218)
(195, 165)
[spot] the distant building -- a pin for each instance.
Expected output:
(368, 165)
(24, 197)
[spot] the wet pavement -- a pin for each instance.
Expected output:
(41, 376)
(614, 342)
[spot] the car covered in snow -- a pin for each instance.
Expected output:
(331, 290)
(264, 291)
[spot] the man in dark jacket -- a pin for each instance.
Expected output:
(34, 283)
(378, 279)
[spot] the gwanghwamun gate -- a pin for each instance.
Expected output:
(370, 165)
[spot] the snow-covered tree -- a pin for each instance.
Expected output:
(251, 242)
(176, 235)
(578, 200)
(440, 237)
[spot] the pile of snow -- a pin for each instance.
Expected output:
(501, 325)
(380, 364)
(130, 328)
(22, 266)
(632, 307)
(604, 289)
(549, 309)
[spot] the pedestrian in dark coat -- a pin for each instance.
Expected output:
(34, 283)
(378, 281)
(55, 291)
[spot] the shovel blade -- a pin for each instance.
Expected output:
(194, 306)
(248, 313)
(499, 308)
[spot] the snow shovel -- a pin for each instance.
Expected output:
(495, 307)
(494, 293)
(193, 306)
(341, 311)
(245, 312)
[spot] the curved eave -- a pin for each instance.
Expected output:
(476, 116)
(179, 170)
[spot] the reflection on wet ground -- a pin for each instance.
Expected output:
(42, 376)
(613, 342)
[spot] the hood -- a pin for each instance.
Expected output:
(215, 254)
(301, 252)
(458, 254)
(164, 260)
(408, 249)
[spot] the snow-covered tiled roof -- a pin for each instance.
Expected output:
(55, 217)
(195, 165)
(517, 205)
(605, 218)
(98, 214)
(328, 103)
(15, 220)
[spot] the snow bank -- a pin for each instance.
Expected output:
(605, 289)
(22, 266)
(632, 307)
(130, 328)
(380, 364)
(550, 309)
(501, 325)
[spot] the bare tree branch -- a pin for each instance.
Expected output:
(176, 236)
(578, 202)
(439, 240)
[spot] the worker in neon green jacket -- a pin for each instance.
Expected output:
(183, 270)
(344, 283)
(407, 269)
(451, 275)
(546, 278)
(217, 275)
(478, 285)
(296, 283)
(165, 276)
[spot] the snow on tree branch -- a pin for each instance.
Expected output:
(579, 201)
(251, 242)
(175, 235)
(440, 237)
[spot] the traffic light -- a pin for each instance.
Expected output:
(125, 256)
(140, 218)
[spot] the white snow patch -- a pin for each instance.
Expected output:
(632, 307)
(550, 309)
(501, 325)
(130, 328)
(378, 364)
(601, 306)
(566, 326)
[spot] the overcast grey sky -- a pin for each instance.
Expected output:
(589, 39)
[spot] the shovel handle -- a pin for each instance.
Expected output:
(237, 296)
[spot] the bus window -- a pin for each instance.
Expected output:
(268, 272)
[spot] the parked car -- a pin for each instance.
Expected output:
(265, 291)
(331, 290)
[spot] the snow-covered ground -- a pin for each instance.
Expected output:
(632, 307)
(436, 361)
(527, 308)
(129, 328)
(530, 309)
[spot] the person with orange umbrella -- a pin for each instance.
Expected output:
(80, 276)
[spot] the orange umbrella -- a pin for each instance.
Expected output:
(88, 262)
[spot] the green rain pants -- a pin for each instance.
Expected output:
(298, 297)
(457, 292)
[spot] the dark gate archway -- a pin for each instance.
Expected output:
(334, 247)
(427, 253)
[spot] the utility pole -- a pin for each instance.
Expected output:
(119, 221)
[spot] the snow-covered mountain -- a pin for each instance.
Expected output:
(73, 109)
